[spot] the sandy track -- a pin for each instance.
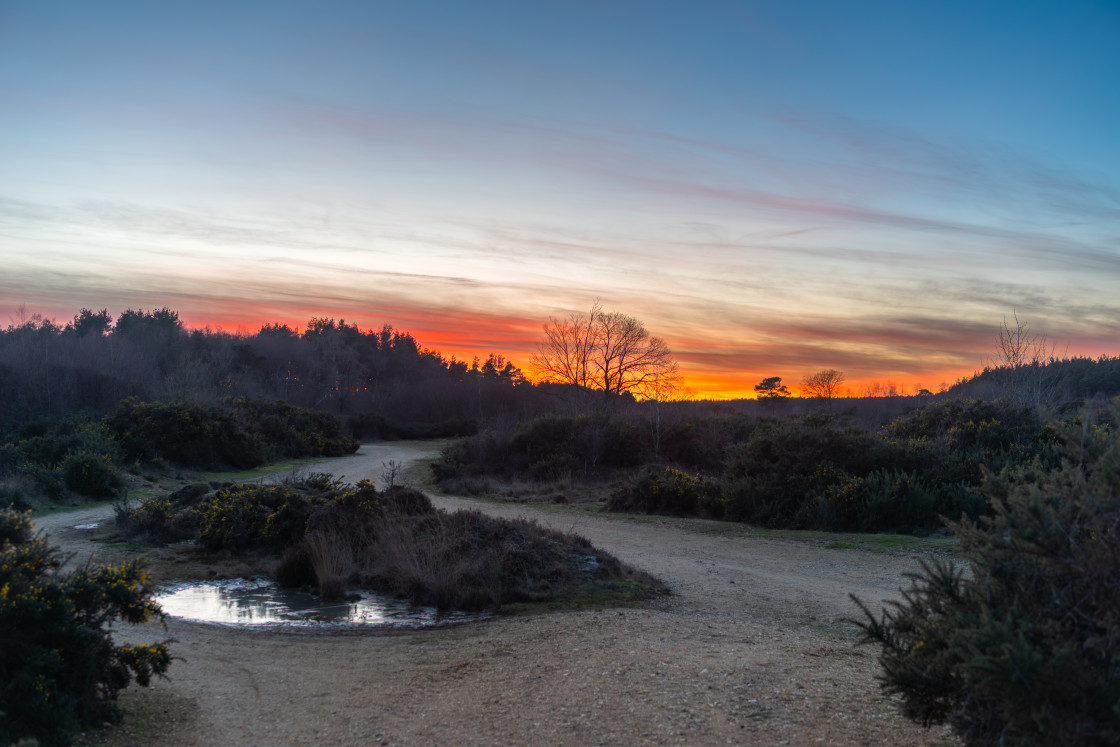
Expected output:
(751, 648)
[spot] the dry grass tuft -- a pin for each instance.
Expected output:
(332, 557)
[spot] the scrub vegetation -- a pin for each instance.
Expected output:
(89, 456)
(810, 471)
(331, 536)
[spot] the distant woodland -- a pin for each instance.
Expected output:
(381, 382)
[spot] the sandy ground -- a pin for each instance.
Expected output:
(753, 647)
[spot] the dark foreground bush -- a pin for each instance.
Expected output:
(60, 669)
(1025, 647)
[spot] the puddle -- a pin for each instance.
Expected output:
(91, 525)
(261, 602)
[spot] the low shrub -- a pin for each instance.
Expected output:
(75, 455)
(290, 431)
(91, 474)
(1023, 646)
(887, 500)
(185, 433)
(666, 491)
(15, 493)
(545, 448)
(246, 516)
(155, 520)
(469, 561)
(61, 668)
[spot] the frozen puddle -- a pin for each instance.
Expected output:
(261, 602)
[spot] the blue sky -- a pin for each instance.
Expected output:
(773, 187)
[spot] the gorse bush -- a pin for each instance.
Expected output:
(77, 455)
(82, 455)
(1024, 648)
(666, 491)
(545, 448)
(92, 474)
(155, 520)
(239, 433)
(813, 472)
(185, 433)
(60, 669)
(769, 477)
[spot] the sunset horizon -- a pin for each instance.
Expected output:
(518, 349)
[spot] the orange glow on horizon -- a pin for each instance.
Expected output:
(515, 339)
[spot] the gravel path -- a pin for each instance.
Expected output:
(752, 648)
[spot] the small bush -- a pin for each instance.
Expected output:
(16, 494)
(244, 516)
(665, 491)
(545, 448)
(91, 474)
(61, 668)
(156, 520)
(887, 500)
(1025, 647)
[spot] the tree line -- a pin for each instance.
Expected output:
(384, 383)
(381, 380)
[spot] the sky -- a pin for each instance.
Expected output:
(772, 187)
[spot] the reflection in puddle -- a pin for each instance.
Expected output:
(91, 525)
(261, 602)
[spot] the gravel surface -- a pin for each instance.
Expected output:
(753, 647)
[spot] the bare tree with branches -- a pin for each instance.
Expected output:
(1020, 361)
(605, 351)
(824, 384)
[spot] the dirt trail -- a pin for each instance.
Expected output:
(752, 647)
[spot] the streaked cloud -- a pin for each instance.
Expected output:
(773, 194)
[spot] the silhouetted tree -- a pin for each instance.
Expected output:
(87, 322)
(604, 351)
(824, 384)
(1020, 363)
(771, 391)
